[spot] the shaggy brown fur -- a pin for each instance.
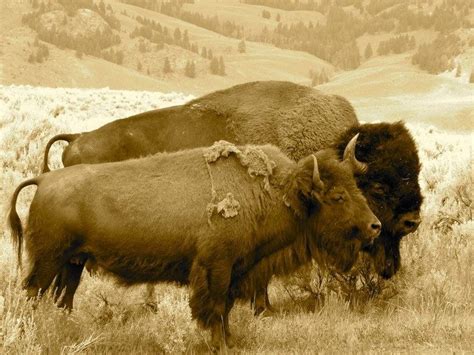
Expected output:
(123, 217)
(298, 119)
(390, 186)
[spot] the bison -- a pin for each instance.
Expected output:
(299, 120)
(203, 217)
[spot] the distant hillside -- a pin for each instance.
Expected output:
(200, 46)
(330, 29)
(390, 89)
(128, 47)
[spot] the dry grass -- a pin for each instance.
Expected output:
(427, 307)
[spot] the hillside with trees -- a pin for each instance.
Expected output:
(345, 22)
(176, 41)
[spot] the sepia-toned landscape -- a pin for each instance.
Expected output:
(72, 66)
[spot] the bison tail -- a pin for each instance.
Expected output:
(60, 137)
(14, 220)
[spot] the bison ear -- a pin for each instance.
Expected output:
(303, 186)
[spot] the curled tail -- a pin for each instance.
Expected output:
(14, 220)
(60, 137)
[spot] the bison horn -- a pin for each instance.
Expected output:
(316, 177)
(358, 167)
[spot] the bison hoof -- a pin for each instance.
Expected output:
(229, 341)
(219, 340)
(151, 306)
(222, 344)
(265, 312)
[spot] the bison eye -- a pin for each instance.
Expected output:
(338, 197)
(378, 189)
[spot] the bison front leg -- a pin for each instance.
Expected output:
(209, 299)
(150, 298)
(228, 307)
(260, 302)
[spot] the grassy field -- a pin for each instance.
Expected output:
(427, 307)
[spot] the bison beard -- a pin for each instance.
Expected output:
(125, 223)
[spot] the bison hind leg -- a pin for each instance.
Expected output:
(150, 298)
(40, 277)
(66, 284)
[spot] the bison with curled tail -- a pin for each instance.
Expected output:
(125, 222)
(16, 228)
(68, 137)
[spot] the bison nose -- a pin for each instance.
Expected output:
(375, 228)
(389, 270)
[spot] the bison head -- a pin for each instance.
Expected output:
(390, 186)
(325, 192)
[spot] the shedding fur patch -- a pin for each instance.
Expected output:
(253, 158)
(229, 206)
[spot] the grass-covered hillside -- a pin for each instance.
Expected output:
(427, 308)
(200, 46)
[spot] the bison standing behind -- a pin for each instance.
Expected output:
(205, 217)
(297, 119)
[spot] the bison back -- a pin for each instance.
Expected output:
(298, 119)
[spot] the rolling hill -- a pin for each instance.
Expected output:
(130, 49)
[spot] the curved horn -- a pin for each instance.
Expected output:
(316, 177)
(349, 155)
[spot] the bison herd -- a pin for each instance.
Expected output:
(221, 194)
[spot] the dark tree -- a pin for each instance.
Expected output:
(458, 70)
(177, 35)
(142, 47)
(221, 70)
(119, 57)
(242, 46)
(186, 43)
(190, 69)
(214, 66)
(167, 66)
(323, 77)
(368, 51)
